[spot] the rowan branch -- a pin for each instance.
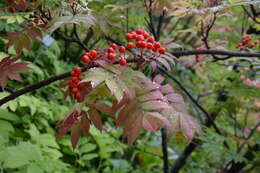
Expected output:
(216, 52)
(43, 83)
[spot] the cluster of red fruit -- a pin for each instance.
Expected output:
(143, 40)
(246, 43)
(11, 7)
(110, 55)
(74, 83)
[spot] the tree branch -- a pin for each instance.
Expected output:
(43, 83)
(215, 52)
(164, 150)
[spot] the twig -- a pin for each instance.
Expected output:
(44, 83)
(216, 52)
(164, 150)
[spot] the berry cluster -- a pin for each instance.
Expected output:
(143, 41)
(109, 55)
(246, 43)
(74, 83)
(12, 7)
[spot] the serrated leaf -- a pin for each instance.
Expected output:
(166, 89)
(115, 89)
(155, 105)
(124, 113)
(154, 95)
(85, 124)
(95, 118)
(149, 124)
(158, 79)
(75, 134)
(6, 115)
(164, 63)
(10, 70)
(86, 20)
(189, 126)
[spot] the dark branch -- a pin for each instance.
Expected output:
(46, 82)
(164, 150)
(215, 52)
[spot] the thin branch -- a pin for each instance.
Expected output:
(164, 150)
(10, 90)
(215, 52)
(43, 83)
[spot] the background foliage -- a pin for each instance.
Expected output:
(228, 90)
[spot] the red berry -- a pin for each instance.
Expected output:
(85, 59)
(111, 56)
(88, 54)
(73, 73)
(154, 49)
(122, 62)
(114, 46)
(22, 1)
(77, 70)
(110, 50)
(145, 34)
(134, 35)
(150, 39)
(74, 90)
(149, 45)
(12, 9)
(78, 96)
(42, 25)
(139, 44)
(10, 1)
(139, 38)
(143, 44)
(162, 50)
(93, 53)
(130, 45)
(75, 79)
(122, 49)
(139, 31)
(81, 85)
(157, 45)
(128, 36)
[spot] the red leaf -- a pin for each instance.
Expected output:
(62, 132)
(22, 39)
(153, 65)
(85, 123)
(189, 126)
(75, 134)
(154, 95)
(149, 124)
(134, 131)
(95, 118)
(164, 121)
(101, 106)
(155, 105)
(158, 79)
(123, 115)
(166, 89)
(10, 70)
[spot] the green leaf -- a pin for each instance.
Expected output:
(6, 115)
(34, 168)
(115, 89)
(46, 140)
(6, 126)
(21, 155)
(89, 156)
(87, 148)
